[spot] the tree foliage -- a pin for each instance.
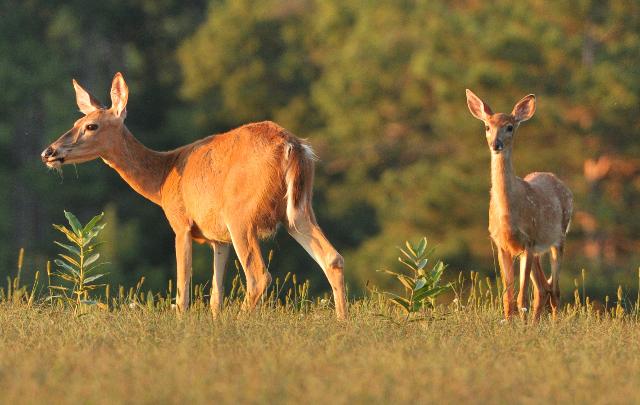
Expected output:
(377, 87)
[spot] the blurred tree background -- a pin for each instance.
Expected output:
(377, 88)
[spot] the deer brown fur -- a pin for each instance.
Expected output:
(527, 217)
(227, 189)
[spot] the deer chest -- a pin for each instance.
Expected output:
(507, 234)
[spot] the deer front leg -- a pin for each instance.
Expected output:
(506, 271)
(525, 269)
(220, 256)
(183, 260)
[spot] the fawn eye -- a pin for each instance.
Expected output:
(486, 128)
(510, 128)
(91, 127)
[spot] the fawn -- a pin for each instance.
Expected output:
(527, 217)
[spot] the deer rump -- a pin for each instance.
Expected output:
(259, 174)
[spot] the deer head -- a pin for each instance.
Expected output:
(500, 128)
(95, 133)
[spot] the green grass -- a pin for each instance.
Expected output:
(129, 346)
(140, 354)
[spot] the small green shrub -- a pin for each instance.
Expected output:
(421, 285)
(78, 263)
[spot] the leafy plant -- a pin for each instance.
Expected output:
(421, 285)
(78, 263)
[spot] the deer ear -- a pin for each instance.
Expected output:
(478, 108)
(86, 102)
(119, 95)
(524, 109)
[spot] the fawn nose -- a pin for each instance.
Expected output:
(47, 153)
(497, 145)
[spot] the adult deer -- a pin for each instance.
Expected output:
(526, 217)
(226, 189)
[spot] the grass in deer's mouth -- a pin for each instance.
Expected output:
(55, 165)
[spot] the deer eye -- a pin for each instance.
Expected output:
(486, 128)
(509, 128)
(91, 127)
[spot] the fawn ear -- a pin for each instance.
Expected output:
(86, 102)
(119, 96)
(478, 108)
(524, 109)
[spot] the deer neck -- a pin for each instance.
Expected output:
(143, 169)
(504, 184)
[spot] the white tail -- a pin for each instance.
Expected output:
(299, 178)
(526, 217)
(227, 189)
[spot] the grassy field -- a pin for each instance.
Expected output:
(136, 353)
(79, 342)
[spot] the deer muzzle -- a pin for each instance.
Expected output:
(497, 145)
(51, 157)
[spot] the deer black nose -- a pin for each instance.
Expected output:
(47, 153)
(497, 145)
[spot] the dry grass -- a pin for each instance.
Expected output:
(292, 350)
(140, 355)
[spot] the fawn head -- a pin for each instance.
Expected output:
(94, 133)
(500, 128)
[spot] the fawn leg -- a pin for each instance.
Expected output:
(525, 269)
(541, 289)
(555, 258)
(506, 271)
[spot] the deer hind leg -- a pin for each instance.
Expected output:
(541, 288)
(247, 246)
(309, 235)
(183, 261)
(525, 269)
(506, 271)
(555, 257)
(220, 257)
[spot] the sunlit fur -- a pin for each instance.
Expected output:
(226, 189)
(526, 217)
